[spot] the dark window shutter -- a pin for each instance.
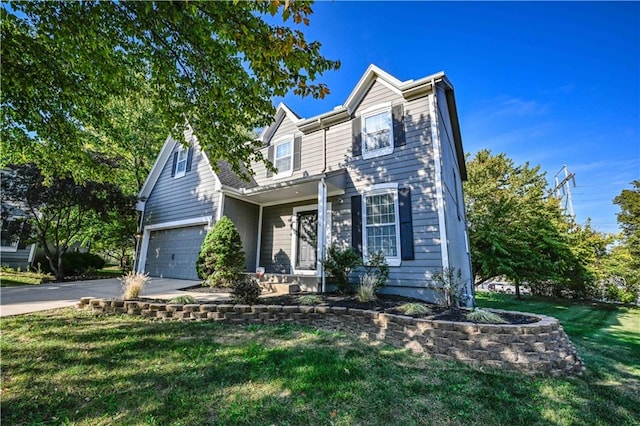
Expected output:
(175, 163)
(356, 223)
(25, 233)
(270, 158)
(356, 129)
(397, 113)
(189, 159)
(297, 152)
(406, 224)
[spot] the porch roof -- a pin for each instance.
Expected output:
(293, 190)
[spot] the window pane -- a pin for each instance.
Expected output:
(283, 150)
(283, 164)
(380, 209)
(377, 131)
(381, 224)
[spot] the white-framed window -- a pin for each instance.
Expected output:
(381, 222)
(283, 158)
(181, 163)
(377, 131)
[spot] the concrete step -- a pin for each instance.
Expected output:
(286, 288)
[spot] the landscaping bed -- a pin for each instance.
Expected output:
(386, 303)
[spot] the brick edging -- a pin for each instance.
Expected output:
(541, 347)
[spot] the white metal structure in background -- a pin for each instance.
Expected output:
(565, 186)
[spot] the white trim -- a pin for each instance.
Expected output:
(383, 188)
(294, 236)
(203, 220)
(259, 239)
(334, 193)
(437, 159)
(369, 112)
(372, 74)
(220, 206)
(10, 249)
(32, 253)
(182, 173)
(156, 170)
(282, 112)
(281, 141)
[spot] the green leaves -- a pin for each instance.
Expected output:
(218, 64)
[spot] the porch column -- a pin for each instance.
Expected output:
(321, 238)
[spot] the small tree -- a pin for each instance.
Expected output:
(451, 284)
(377, 266)
(339, 264)
(221, 258)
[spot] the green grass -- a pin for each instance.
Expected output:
(75, 367)
(10, 278)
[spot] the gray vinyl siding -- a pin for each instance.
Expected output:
(192, 195)
(16, 259)
(455, 218)
(411, 165)
(378, 93)
(245, 216)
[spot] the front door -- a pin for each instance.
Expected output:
(307, 230)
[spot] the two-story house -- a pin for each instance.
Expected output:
(383, 171)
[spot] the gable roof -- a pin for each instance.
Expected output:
(282, 111)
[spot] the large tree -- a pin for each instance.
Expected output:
(514, 226)
(215, 65)
(60, 211)
(629, 220)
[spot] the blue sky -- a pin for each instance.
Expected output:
(548, 83)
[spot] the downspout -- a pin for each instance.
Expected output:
(139, 236)
(437, 159)
(323, 185)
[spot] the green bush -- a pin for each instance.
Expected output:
(221, 259)
(484, 317)
(246, 291)
(339, 264)
(414, 308)
(185, 299)
(378, 267)
(310, 299)
(73, 263)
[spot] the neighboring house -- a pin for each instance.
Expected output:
(14, 250)
(384, 172)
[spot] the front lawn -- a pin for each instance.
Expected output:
(75, 367)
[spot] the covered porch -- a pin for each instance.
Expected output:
(286, 244)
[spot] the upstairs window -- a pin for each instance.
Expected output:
(284, 158)
(377, 133)
(181, 163)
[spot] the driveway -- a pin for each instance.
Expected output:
(34, 298)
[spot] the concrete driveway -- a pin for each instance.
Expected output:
(34, 298)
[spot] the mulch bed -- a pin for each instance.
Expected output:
(384, 303)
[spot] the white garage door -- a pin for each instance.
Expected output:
(172, 253)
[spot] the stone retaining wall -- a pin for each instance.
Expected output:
(541, 347)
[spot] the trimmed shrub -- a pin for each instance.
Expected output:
(221, 259)
(246, 291)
